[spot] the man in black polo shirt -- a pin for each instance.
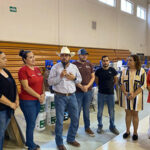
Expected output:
(107, 78)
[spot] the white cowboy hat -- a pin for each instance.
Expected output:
(65, 50)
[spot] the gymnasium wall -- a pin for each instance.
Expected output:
(69, 22)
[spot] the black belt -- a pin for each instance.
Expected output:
(64, 94)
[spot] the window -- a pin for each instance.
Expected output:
(127, 6)
(109, 2)
(141, 12)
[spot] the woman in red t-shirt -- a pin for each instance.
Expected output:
(32, 94)
(148, 99)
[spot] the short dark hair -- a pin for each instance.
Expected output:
(1, 52)
(137, 61)
(104, 57)
(24, 54)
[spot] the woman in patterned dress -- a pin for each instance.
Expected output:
(133, 82)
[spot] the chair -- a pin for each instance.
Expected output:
(48, 64)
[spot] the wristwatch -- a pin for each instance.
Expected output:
(75, 79)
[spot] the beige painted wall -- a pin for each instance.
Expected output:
(68, 22)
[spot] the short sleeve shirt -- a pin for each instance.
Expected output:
(148, 84)
(35, 81)
(106, 80)
(85, 69)
(7, 88)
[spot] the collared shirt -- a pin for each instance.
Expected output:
(63, 85)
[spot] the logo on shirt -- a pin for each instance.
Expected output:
(88, 67)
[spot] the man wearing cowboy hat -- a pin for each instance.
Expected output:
(84, 90)
(63, 77)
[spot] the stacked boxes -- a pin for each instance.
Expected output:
(50, 109)
(41, 119)
(47, 114)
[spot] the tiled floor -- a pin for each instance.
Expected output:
(101, 141)
(118, 142)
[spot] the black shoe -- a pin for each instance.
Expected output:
(125, 135)
(37, 146)
(114, 130)
(134, 137)
(100, 130)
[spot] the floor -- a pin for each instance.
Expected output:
(105, 141)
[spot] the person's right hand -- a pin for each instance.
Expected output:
(148, 87)
(63, 73)
(13, 105)
(17, 102)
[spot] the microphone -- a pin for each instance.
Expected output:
(64, 65)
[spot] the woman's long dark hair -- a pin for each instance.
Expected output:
(24, 54)
(137, 61)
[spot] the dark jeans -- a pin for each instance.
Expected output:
(84, 99)
(61, 103)
(4, 121)
(30, 109)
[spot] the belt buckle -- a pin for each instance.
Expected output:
(67, 94)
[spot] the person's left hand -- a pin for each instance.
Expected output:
(131, 96)
(17, 102)
(70, 76)
(85, 88)
(42, 98)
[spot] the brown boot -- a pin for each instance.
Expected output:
(74, 143)
(90, 132)
(61, 147)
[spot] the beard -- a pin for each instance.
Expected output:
(64, 63)
(105, 66)
(83, 60)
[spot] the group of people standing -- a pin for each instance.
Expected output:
(32, 94)
(72, 86)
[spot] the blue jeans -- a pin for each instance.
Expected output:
(84, 99)
(30, 109)
(4, 121)
(61, 103)
(110, 101)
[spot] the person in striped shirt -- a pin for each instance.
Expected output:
(133, 82)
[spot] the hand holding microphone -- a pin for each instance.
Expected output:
(64, 72)
(64, 64)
